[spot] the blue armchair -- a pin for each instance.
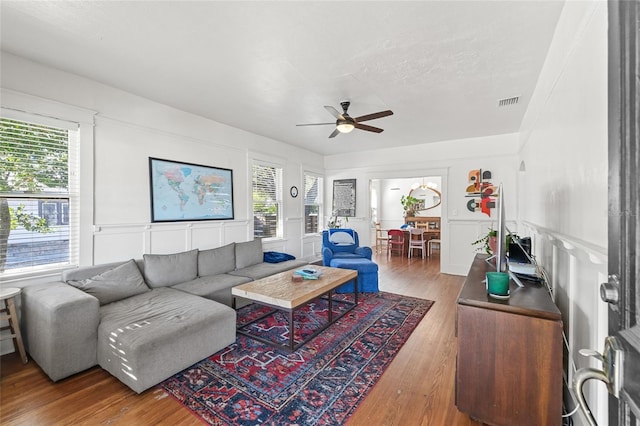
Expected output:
(342, 243)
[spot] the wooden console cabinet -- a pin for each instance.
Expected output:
(509, 363)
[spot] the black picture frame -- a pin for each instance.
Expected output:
(344, 197)
(189, 192)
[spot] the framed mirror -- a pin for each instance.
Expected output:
(429, 198)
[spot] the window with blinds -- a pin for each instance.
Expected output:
(312, 203)
(267, 201)
(38, 196)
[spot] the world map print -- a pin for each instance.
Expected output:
(182, 191)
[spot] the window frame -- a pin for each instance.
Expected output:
(320, 197)
(23, 107)
(279, 192)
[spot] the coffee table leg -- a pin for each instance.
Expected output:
(291, 331)
(330, 297)
(355, 291)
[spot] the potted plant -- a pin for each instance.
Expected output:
(409, 204)
(335, 222)
(488, 242)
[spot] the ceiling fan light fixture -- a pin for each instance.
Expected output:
(345, 127)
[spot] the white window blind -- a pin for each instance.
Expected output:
(267, 201)
(312, 203)
(38, 195)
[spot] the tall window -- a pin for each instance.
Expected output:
(267, 201)
(312, 203)
(38, 214)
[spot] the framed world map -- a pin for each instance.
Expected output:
(187, 192)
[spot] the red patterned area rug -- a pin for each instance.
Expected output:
(322, 383)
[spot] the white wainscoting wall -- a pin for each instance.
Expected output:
(575, 270)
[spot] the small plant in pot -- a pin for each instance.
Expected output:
(488, 242)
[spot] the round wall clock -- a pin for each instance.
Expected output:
(293, 191)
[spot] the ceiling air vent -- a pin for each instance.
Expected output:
(508, 101)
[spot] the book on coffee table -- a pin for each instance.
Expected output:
(308, 274)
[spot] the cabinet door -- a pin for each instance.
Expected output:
(509, 368)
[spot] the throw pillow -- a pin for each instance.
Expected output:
(277, 257)
(248, 253)
(164, 270)
(115, 284)
(217, 261)
(341, 238)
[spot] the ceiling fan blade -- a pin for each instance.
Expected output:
(334, 134)
(334, 112)
(374, 115)
(368, 128)
(316, 124)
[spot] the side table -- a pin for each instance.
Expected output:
(8, 309)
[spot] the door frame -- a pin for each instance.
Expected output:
(624, 208)
(443, 174)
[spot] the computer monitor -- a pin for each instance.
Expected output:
(501, 252)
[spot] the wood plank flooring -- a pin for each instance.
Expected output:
(416, 389)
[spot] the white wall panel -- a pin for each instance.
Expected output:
(575, 269)
(312, 247)
(457, 249)
(118, 243)
(167, 240)
(236, 231)
(206, 236)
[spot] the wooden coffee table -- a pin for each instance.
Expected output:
(281, 293)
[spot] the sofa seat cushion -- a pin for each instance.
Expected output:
(265, 269)
(214, 287)
(147, 338)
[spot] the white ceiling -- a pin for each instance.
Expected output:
(264, 67)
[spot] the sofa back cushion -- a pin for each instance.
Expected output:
(117, 283)
(84, 272)
(217, 261)
(249, 253)
(164, 270)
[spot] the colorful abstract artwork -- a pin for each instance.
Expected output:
(481, 191)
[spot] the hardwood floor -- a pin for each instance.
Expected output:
(416, 389)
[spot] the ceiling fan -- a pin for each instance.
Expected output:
(345, 123)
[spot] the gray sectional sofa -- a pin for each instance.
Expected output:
(141, 320)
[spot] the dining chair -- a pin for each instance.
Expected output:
(431, 243)
(417, 241)
(381, 237)
(395, 242)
